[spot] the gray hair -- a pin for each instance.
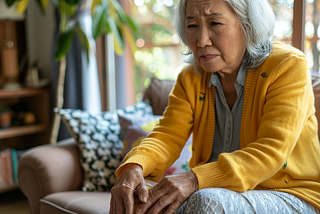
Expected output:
(257, 21)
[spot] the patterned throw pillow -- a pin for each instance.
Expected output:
(98, 138)
(135, 128)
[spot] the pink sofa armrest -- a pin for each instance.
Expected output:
(48, 169)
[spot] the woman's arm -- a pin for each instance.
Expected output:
(163, 145)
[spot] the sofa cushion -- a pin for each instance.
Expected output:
(98, 138)
(157, 94)
(76, 202)
(135, 129)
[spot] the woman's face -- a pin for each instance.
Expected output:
(215, 36)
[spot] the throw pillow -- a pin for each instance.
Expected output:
(98, 138)
(135, 128)
(157, 94)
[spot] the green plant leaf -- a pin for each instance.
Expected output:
(120, 34)
(132, 24)
(117, 34)
(122, 15)
(66, 10)
(98, 22)
(83, 39)
(94, 4)
(72, 2)
(107, 26)
(105, 5)
(10, 2)
(63, 44)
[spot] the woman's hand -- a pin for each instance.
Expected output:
(170, 193)
(129, 184)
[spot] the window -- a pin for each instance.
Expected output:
(283, 10)
(312, 34)
(158, 52)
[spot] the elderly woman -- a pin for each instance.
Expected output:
(249, 104)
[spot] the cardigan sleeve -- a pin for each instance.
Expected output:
(163, 145)
(284, 102)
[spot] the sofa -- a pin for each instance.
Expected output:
(51, 176)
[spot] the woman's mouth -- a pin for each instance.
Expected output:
(208, 57)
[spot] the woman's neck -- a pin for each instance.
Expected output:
(227, 84)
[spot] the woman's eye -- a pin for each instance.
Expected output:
(191, 26)
(215, 23)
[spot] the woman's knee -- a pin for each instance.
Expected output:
(205, 201)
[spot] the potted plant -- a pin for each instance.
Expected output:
(107, 17)
(5, 116)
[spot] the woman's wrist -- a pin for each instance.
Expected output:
(131, 166)
(128, 166)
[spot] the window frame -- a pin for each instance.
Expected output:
(298, 24)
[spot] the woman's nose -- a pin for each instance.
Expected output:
(204, 38)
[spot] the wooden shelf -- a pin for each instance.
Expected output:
(23, 92)
(9, 188)
(21, 130)
(22, 101)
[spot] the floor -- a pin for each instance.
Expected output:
(14, 202)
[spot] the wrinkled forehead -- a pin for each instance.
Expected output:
(205, 7)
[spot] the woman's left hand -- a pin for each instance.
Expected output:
(170, 193)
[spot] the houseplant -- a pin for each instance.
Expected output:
(108, 17)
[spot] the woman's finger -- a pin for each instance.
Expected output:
(153, 199)
(142, 192)
(111, 206)
(163, 203)
(117, 207)
(171, 209)
(128, 203)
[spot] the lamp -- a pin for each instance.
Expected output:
(9, 51)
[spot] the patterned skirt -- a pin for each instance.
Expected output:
(218, 200)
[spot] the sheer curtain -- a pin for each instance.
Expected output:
(90, 80)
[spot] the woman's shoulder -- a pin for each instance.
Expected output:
(281, 52)
(284, 59)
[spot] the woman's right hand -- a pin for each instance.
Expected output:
(129, 184)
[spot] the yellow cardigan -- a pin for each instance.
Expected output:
(278, 136)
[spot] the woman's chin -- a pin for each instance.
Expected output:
(210, 69)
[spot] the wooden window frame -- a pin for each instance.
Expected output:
(299, 14)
